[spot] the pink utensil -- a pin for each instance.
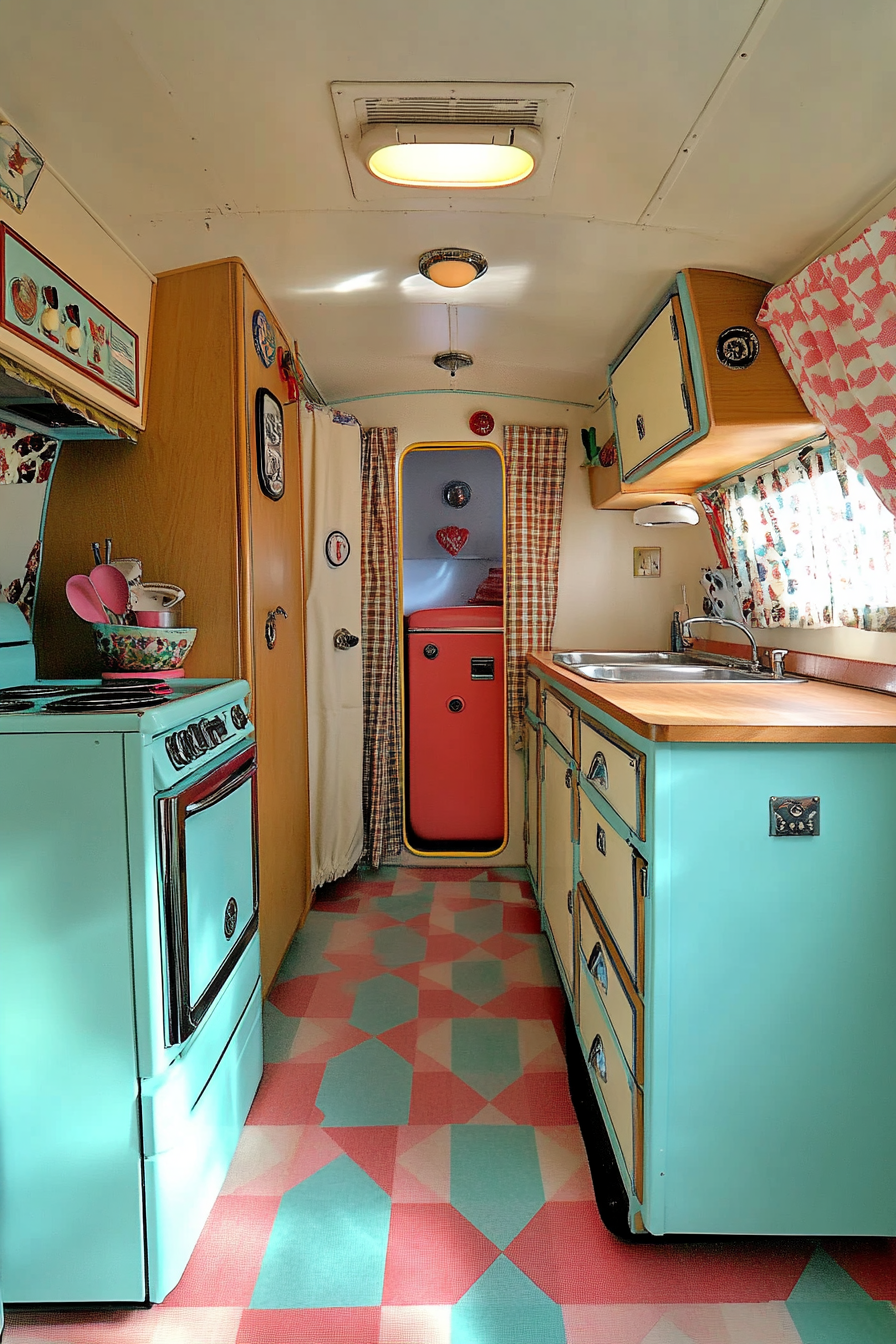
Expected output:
(111, 587)
(84, 600)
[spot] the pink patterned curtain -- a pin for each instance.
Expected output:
(834, 326)
(379, 589)
(536, 465)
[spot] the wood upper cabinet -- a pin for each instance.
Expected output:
(698, 393)
(186, 499)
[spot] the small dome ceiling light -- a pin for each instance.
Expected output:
(669, 514)
(457, 157)
(452, 360)
(452, 267)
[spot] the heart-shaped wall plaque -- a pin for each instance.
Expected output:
(452, 539)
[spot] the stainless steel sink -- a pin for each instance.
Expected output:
(662, 667)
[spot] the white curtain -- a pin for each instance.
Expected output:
(331, 473)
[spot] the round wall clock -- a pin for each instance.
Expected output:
(737, 348)
(263, 335)
(337, 549)
(482, 423)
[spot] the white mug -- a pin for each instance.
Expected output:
(131, 568)
(155, 596)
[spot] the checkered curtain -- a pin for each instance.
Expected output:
(379, 592)
(535, 461)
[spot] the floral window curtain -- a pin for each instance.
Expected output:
(810, 543)
(379, 587)
(834, 326)
(535, 461)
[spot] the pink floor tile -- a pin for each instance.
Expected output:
(371, 1147)
(434, 1255)
(225, 1264)
(287, 1095)
(334, 1325)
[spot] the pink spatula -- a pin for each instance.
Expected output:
(84, 601)
(112, 588)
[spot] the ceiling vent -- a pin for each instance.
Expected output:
(361, 107)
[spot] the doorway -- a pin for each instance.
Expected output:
(453, 684)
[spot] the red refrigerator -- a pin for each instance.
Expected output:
(456, 724)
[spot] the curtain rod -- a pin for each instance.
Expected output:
(795, 450)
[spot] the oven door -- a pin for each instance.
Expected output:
(209, 882)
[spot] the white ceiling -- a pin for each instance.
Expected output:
(205, 128)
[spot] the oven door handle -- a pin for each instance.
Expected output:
(243, 772)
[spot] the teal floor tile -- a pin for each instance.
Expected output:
(384, 1002)
(844, 1322)
(496, 1178)
(305, 956)
(480, 924)
(398, 946)
(485, 1053)
(823, 1280)
(545, 956)
(406, 907)
(367, 1085)
(278, 1033)
(505, 1307)
(328, 1244)
(478, 981)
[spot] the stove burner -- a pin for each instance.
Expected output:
(101, 703)
(42, 691)
(15, 706)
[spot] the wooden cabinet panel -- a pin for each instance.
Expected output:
(533, 695)
(615, 876)
(557, 854)
(617, 771)
(612, 984)
(652, 407)
(533, 796)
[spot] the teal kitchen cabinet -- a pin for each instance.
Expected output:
(733, 988)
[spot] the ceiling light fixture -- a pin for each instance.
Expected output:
(452, 360)
(452, 267)
(668, 514)
(461, 157)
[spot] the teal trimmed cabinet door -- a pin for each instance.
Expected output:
(733, 989)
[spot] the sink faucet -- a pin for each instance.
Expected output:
(720, 620)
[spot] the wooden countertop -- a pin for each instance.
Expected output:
(809, 711)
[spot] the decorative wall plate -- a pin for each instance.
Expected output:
(264, 337)
(737, 348)
(269, 443)
(482, 423)
(20, 166)
(337, 549)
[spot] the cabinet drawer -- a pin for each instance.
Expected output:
(533, 694)
(615, 875)
(622, 1096)
(608, 976)
(559, 716)
(617, 771)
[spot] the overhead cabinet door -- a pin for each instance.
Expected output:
(652, 404)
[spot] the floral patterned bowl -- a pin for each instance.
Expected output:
(142, 648)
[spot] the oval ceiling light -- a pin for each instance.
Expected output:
(452, 267)
(451, 157)
(669, 514)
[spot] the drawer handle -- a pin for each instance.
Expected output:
(598, 771)
(597, 1058)
(597, 965)
(601, 840)
(639, 424)
(569, 901)
(568, 779)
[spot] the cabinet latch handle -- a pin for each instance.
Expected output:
(639, 425)
(598, 771)
(569, 777)
(597, 965)
(270, 626)
(569, 901)
(601, 840)
(597, 1058)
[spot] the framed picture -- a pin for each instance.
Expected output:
(647, 562)
(269, 443)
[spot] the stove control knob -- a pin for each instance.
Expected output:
(239, 717)
(185, 743)
(198, 738)
(174, 753)
(215, 730)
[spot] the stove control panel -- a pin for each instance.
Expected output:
(189, 743)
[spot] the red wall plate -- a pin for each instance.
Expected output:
(482, 423)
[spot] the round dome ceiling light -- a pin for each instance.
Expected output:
(452, 360)
(452, 267)
(451, 158)
(669, 514)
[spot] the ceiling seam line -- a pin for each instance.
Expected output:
(464, 391)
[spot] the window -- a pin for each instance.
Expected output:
(810, 542)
